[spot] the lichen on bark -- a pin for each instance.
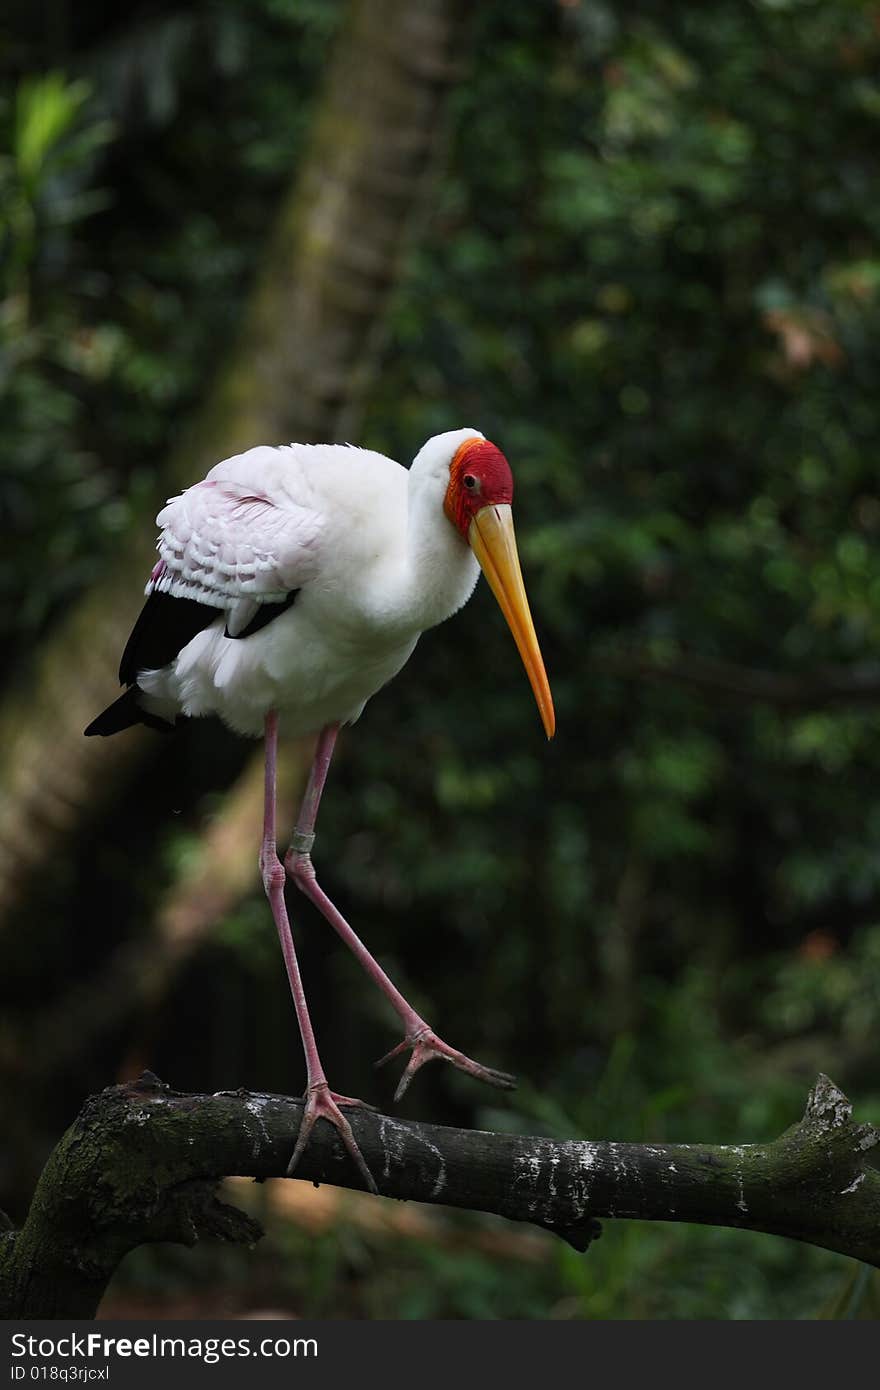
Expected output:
(141, 1163)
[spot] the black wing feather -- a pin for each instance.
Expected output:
(165, 626)
(263, 616)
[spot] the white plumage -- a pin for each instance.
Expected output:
(355, 533)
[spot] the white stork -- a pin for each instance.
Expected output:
(292, 584)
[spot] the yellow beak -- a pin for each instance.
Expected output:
(492, 539)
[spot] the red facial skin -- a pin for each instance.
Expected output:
(492, 485)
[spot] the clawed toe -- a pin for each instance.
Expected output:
(427, 1047)
(323, 1104)
(352, 1103)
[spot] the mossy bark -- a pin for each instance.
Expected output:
(116, 1180)
(141, 1163)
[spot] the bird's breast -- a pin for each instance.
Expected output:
(323, 664)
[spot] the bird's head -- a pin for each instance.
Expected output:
(479, 493)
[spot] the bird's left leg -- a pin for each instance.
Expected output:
(419, 1036)
(320, 1101)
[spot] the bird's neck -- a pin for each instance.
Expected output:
(442, 569)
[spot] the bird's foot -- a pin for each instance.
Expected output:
(427, 1047)
(323, 1104)
(352, 1103)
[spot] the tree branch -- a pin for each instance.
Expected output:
(818, 688)
(140, 1164)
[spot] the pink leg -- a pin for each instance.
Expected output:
(419, 1036)
(321, 1102)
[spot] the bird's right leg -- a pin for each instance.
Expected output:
(420, 1039)
(320, 1101)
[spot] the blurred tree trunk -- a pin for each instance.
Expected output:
(138, 973)
(303, 361)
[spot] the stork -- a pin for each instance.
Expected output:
(292, 584)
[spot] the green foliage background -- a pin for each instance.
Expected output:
(651, 273)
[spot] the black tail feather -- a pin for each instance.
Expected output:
(165, 626)
(122, 714)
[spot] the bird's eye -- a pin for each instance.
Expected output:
(470, 480)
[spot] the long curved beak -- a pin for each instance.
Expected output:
(492, 539)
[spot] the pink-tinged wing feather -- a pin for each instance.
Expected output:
(223, 541)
